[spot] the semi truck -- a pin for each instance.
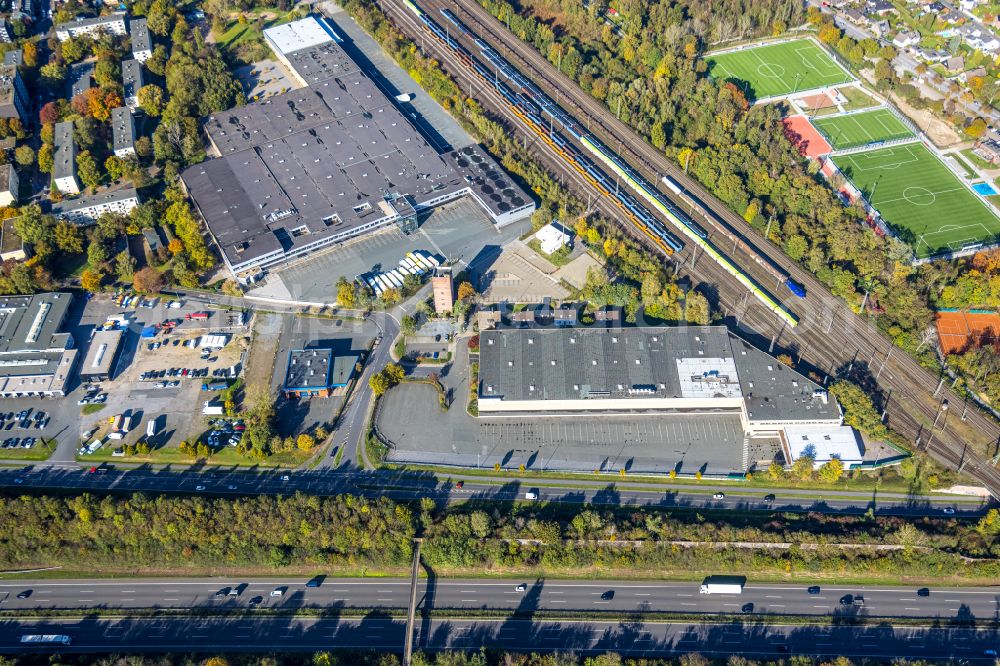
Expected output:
(723, 585)
(46, 639)
(151, 427)
(212, 409)
(214, 386)
(197, 315)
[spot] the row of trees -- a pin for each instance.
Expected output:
(172, 532)
(481, 657)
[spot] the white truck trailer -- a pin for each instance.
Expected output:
(723, 585)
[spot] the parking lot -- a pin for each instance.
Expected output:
(458, 232)
(264, 79)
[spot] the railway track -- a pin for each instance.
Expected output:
(829, 336)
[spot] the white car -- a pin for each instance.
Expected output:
(719, 496)
(948, 510)
(83, 401)
(531, 495)
(199, 487)
(277, 592)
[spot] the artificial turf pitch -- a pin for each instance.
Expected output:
(920, 198)
(778, 69)
(860, 129)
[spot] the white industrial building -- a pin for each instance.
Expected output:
(213, 341)
(673, 372)
(552, 237)
(822, 445)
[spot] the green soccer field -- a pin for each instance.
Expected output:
(778, 69)
(859, 129)
(920, 198)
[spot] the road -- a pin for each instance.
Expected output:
(829, 337)
(413, 486)
(945, 604)
(628, 637)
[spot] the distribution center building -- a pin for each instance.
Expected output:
(36, 356)
(703, 371)
(318, 165)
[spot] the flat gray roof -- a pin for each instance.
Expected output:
(86, 201)
(8, 75)
(343, 368)
(308, 369)
(15, 57)
(122, 128)
(700, 362)
(95, 20)
(103, 349)
(131, 77)
(5, 172)
(30, 324)
(140, 34)
(64, 155)
(79, 78)
(320, 161)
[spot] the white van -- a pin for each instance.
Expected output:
(277, 592)
(531, 495)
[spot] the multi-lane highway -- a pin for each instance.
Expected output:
(631, 636)
(626, 596)
(407, 486)
(830, 336)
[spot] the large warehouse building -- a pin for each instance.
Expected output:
(327, 162)
(36, 356)
(679, 372)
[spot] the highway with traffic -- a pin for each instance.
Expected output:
(624, 596)
(413, 486)
(631, 636)
(829, 336)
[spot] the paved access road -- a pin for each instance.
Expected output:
(412, 485)
(630, 637)
(550, 595)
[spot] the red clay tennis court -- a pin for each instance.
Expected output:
(808, 139)
(961, 331)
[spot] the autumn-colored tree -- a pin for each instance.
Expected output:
(976, 128)
(100, 102)
(466, 291)
(45, 158)
(305, 441)
(49, 113)
(29, 53)
(91, 280)
(175, 246)
(148, 280)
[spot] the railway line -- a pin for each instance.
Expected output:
(829, 337)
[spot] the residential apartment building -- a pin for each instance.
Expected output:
(123, 131)
(13, 94)
(64, 159)
(8, 185)
(86, 210)
(113, 24)
(131, 82)
(141, 44)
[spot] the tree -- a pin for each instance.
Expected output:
(802, 468)
(52, 75)
(466, 291)
(151, 99)
(305, 442)
(49, 113)
(394, 372)
(345, 292)
(68, 237)
(113, 165)
(175, 246)
(408, 325)
(148, 281)
(976, 128)
(697, 310)
(125, 266)
(46, 159)
(91, 280)
(378, 383)
(87, 169)
(24, 156)
(831, 471)
(107, 73)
